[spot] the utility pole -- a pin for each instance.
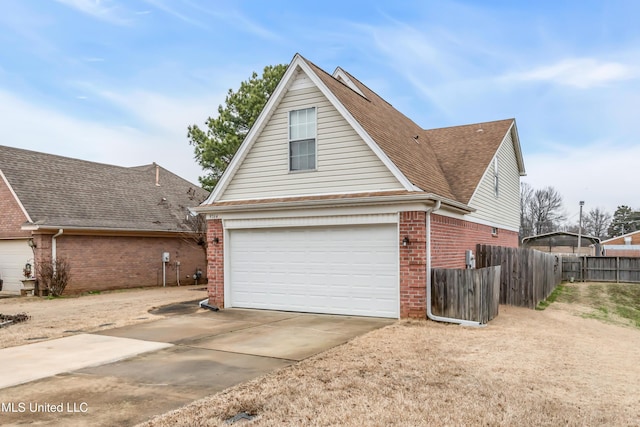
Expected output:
(580, 227)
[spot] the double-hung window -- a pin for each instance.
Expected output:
(302, 139)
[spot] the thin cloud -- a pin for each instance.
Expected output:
(242, 22)
(582, 73)
(173, 12)
(107, 11)
(56, 132)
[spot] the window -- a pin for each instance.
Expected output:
(302, 139)
(495, 176)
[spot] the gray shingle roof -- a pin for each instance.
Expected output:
(59, 191)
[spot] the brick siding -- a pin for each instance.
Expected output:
(215, 259)
(120, 262)
(450, 238)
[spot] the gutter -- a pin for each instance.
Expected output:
(248, 205)
(430, 314)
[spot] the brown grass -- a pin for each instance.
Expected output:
(55, 318)
(526, 368)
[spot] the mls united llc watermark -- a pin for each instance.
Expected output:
(44, 407)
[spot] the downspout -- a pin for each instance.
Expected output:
(430, 315)
(54, 249)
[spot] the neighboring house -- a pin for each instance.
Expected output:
(627, 245)
(563, 243)
(338, 203)
(111, 223)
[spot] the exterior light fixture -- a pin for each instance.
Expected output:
(405, 241)
(31, 243)
(216, 240)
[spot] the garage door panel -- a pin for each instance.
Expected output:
(338, 269)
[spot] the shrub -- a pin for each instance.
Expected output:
(54, 275)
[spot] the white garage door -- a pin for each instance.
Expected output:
(339, 270)
(14, 254)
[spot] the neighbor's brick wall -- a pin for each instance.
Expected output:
(451, 237)
(413, 265)
(11, 216)
(114, 262)
(215, 259)
(633, 253)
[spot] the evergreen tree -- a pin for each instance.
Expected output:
(215, 147)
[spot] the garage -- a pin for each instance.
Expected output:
(14, 254)
(343, 269)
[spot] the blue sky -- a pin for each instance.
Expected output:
(119, 81)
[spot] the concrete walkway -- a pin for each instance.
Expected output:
(126, 375)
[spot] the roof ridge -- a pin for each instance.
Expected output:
(472, 124)
(73, 159)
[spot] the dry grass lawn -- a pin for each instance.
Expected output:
(566, 365)
(530, 368)
(55, 318)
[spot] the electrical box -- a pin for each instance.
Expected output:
(166, 257)
(469, 259)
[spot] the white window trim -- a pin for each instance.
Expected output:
(289, 140)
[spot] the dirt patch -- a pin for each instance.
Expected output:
(55, 318)
(527, 367)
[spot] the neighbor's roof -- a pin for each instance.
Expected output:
(560, 238)
(63, 192)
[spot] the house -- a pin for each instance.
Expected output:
(338, 203)
(111, 223)
(563, 243)
(627, 245)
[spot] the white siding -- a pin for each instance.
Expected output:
(345, 163)
(503, 210)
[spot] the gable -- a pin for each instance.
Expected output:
(12, 215)
(503, 210)
(345, 163)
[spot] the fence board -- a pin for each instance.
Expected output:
(601, 269)
(527, 276)
(471, 294)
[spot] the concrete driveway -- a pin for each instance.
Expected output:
(127, 375)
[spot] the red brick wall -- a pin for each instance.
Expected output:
(451, 237)
(116, 262)
(11, 216)
(413, 264)
(215, 259)
(623, 252)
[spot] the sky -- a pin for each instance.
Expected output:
(118, 82)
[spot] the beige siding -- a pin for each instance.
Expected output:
(503, 210)
(344, 161)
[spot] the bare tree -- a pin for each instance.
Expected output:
(544, 210)
(526, 227)
(596, 223)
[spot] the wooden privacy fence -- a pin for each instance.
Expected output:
(601, 269)
(527, 277)
(466, 294)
